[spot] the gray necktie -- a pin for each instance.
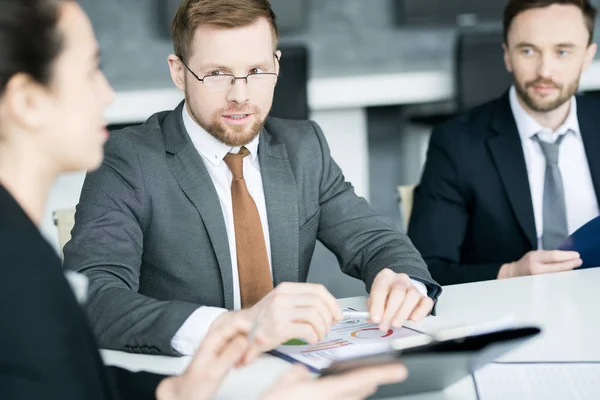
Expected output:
(554, 211)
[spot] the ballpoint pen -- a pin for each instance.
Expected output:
(252, 332)
(349, 314)
(250, 338)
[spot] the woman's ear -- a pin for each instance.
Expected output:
(26, 101)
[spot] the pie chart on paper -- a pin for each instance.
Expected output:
(371, 333)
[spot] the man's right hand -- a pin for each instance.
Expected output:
(292, 310)
(541, 262)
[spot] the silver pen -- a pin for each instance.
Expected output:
(349, 314)
(252, 332)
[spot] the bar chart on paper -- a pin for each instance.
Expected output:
(346, 336)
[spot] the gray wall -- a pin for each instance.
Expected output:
(344, 36)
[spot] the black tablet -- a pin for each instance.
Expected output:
(435, 362)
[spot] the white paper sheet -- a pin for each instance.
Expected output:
(539, 381)
(349, 337)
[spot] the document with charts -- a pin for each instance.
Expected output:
(346, 337)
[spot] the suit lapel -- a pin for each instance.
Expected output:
(590, 135)
(507, 153)
(193, 178)
(281, 200)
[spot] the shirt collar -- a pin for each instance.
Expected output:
(208, 146)
(528, 127)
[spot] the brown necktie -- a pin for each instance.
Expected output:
(252, 259)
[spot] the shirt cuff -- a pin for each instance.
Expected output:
(188, 338)
(420, 287)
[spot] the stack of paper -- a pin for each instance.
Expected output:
(539, 381)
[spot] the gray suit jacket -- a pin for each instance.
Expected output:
(150, 235)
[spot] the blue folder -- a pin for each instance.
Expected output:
(586, 241)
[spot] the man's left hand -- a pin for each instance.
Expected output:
(395, 299)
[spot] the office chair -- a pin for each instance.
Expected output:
(291, 93)
(64, 220)
(480, 73)
(405, 202)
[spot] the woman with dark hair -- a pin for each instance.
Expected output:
(52, 97)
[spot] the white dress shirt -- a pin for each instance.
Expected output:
(188, 337)
(580, 197)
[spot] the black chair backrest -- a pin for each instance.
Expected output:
(291, 93)
(480, 72)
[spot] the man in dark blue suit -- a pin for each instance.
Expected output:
(505, 183)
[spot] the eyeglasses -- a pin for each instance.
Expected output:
(224, 82)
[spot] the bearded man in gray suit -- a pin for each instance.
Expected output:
(215, 207)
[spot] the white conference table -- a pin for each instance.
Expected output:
(565, 305)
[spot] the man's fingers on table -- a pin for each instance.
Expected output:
(379, 294)
(423, 309)
(564, 266)
(304, 331)
(311, 301)
(555, 256)
(313, 289)
(306, 315)
(410, 303)
(396, 297)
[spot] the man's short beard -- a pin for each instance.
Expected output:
(565, 93)
(235, 135)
